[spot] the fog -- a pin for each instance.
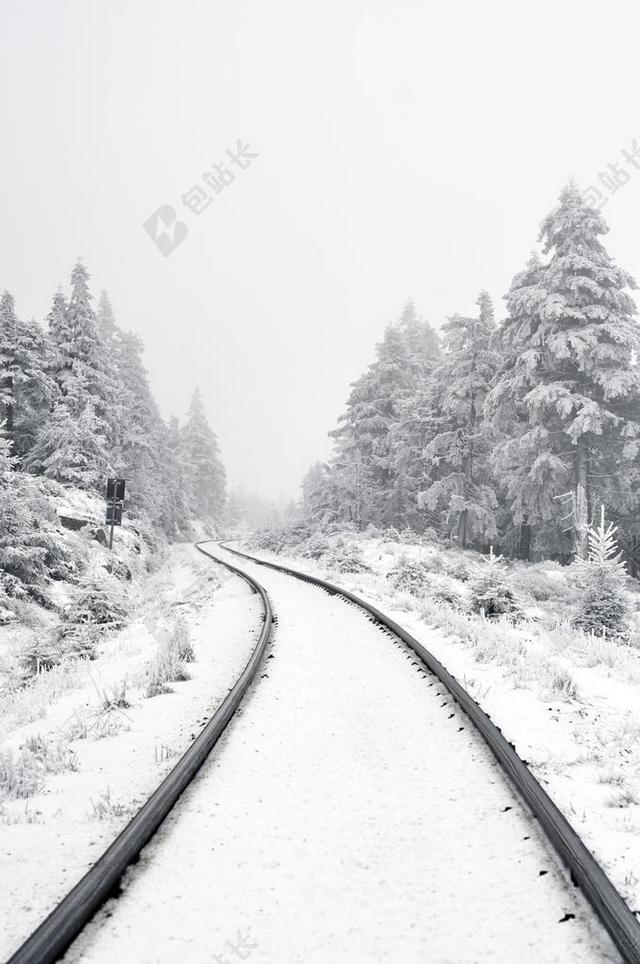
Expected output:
(403, 150)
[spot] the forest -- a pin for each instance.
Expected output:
(76, 408)
(512, 433)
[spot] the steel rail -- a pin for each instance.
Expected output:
(585, 871)
(57, 932)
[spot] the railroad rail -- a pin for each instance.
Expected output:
(57, 932)
(585, 871)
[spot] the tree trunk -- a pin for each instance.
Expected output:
(524, 545)
(8, 428)
(581, 502)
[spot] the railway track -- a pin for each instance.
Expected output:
(57, 932)
(52, 938)
(586, 872)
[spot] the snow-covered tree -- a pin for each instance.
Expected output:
(604, 604)
(204, 472)
(567, 399)
(87, 412)
(26, 388)
(72, 446)
(462, 481)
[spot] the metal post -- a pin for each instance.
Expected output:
(113, 512)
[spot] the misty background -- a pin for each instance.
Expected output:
(405, 150)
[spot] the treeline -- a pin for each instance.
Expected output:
(76, 407)
(510, 434)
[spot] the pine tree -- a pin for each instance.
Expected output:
(143, 435)
(108, 330)
(604, 604)
(569, 382)
(416, 423)
(72, 446)
(27, 389)
(205, 475)
(8, 338)
(57, 318)
(80, 369)
(490, 589)
(464, 485)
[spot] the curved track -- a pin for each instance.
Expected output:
(585, 871)
(56, 933)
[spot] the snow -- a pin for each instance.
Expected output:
(584, 750)
(350, 814)
(47, 844)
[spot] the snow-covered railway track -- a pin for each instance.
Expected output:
(348, 817)
(51, 939)
(585, 871)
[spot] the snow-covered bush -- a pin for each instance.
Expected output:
(604, 603)
(269, 540)
(168, 665)
(22, 774)
(444, 589)
(543, 582)
(490, 591)
(99, 605)
(39, 654)
(409, 575)
(181, 642)
(456, 567)
(346, 558)
(315, 547)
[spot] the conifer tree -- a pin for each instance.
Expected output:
(604, 604)
(205, 475)
(568, 382)
(72, 446)
(464, 484)
(26, 388)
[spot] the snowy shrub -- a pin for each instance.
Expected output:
(491, 592)
(456, 568)
(53, 755)
(446, 590)
(269, 540)
(347, 558)
(167, 666)
(104, 808)
(181, 642)
(113, 697)
(604, 603)
(409, 575)
(99, 606)
(316, 546)
(624, 798)
(39, 654)
(23, 774)
(543, 582)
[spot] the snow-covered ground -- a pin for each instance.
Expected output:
(117, 754)
(350, 814)
(569, 703)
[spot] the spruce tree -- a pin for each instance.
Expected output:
(569, 381)
(463, 484)
(205, 475)
(26, 388)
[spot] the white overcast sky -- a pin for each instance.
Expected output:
(406, 149)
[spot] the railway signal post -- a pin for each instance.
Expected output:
(115, 502)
